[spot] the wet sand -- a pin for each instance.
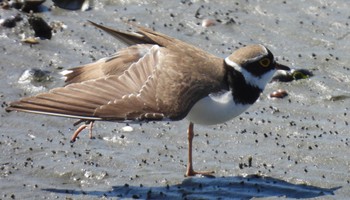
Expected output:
(298, 145)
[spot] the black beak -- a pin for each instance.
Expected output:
(281, 67)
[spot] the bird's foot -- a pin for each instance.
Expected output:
(191, 172)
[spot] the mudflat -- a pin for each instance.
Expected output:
(291, 147)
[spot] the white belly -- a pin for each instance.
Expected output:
(215, 109)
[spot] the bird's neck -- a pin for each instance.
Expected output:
(243, 92)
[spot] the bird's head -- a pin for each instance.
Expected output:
(256, 63)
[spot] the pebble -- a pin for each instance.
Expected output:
(11, 21)
(35, 80)
(34, 75)
(280, 94)
(338, 97)
(208, 22)
(30, 40)
(82, 5)
(40, 27)
(127, 129)
(28, 5)
(294, 74)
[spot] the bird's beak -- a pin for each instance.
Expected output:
(281, 67)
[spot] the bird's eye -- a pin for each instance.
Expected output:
(265, 62)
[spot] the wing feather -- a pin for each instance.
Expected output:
(113, 65)
(160, 82)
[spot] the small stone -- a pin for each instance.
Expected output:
(294, 74)
(30, 40)
(279, 94)
(208, 22)
(40, 27)
(127, 129)
(82, 5)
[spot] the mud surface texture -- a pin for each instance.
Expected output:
(291, 147)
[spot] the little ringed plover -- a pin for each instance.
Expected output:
(158, 77)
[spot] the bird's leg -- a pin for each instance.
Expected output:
(81, 128)
(91, 125)
(76, 133)
(190, 171)
(190, 134)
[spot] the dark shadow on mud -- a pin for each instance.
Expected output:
(237, 187)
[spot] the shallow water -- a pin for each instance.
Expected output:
(298, 145)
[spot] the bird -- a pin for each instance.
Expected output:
(158, 78)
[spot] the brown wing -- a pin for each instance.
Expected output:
(116, 64)
(113, 65)
(162, 84)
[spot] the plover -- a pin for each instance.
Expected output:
(158, 77)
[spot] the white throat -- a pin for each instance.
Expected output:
(259, 82)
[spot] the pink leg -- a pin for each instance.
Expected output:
(81, 128)
(76, 133)
(190, 171)
(91, 125)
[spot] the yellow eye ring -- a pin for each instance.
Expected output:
(265, 62)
